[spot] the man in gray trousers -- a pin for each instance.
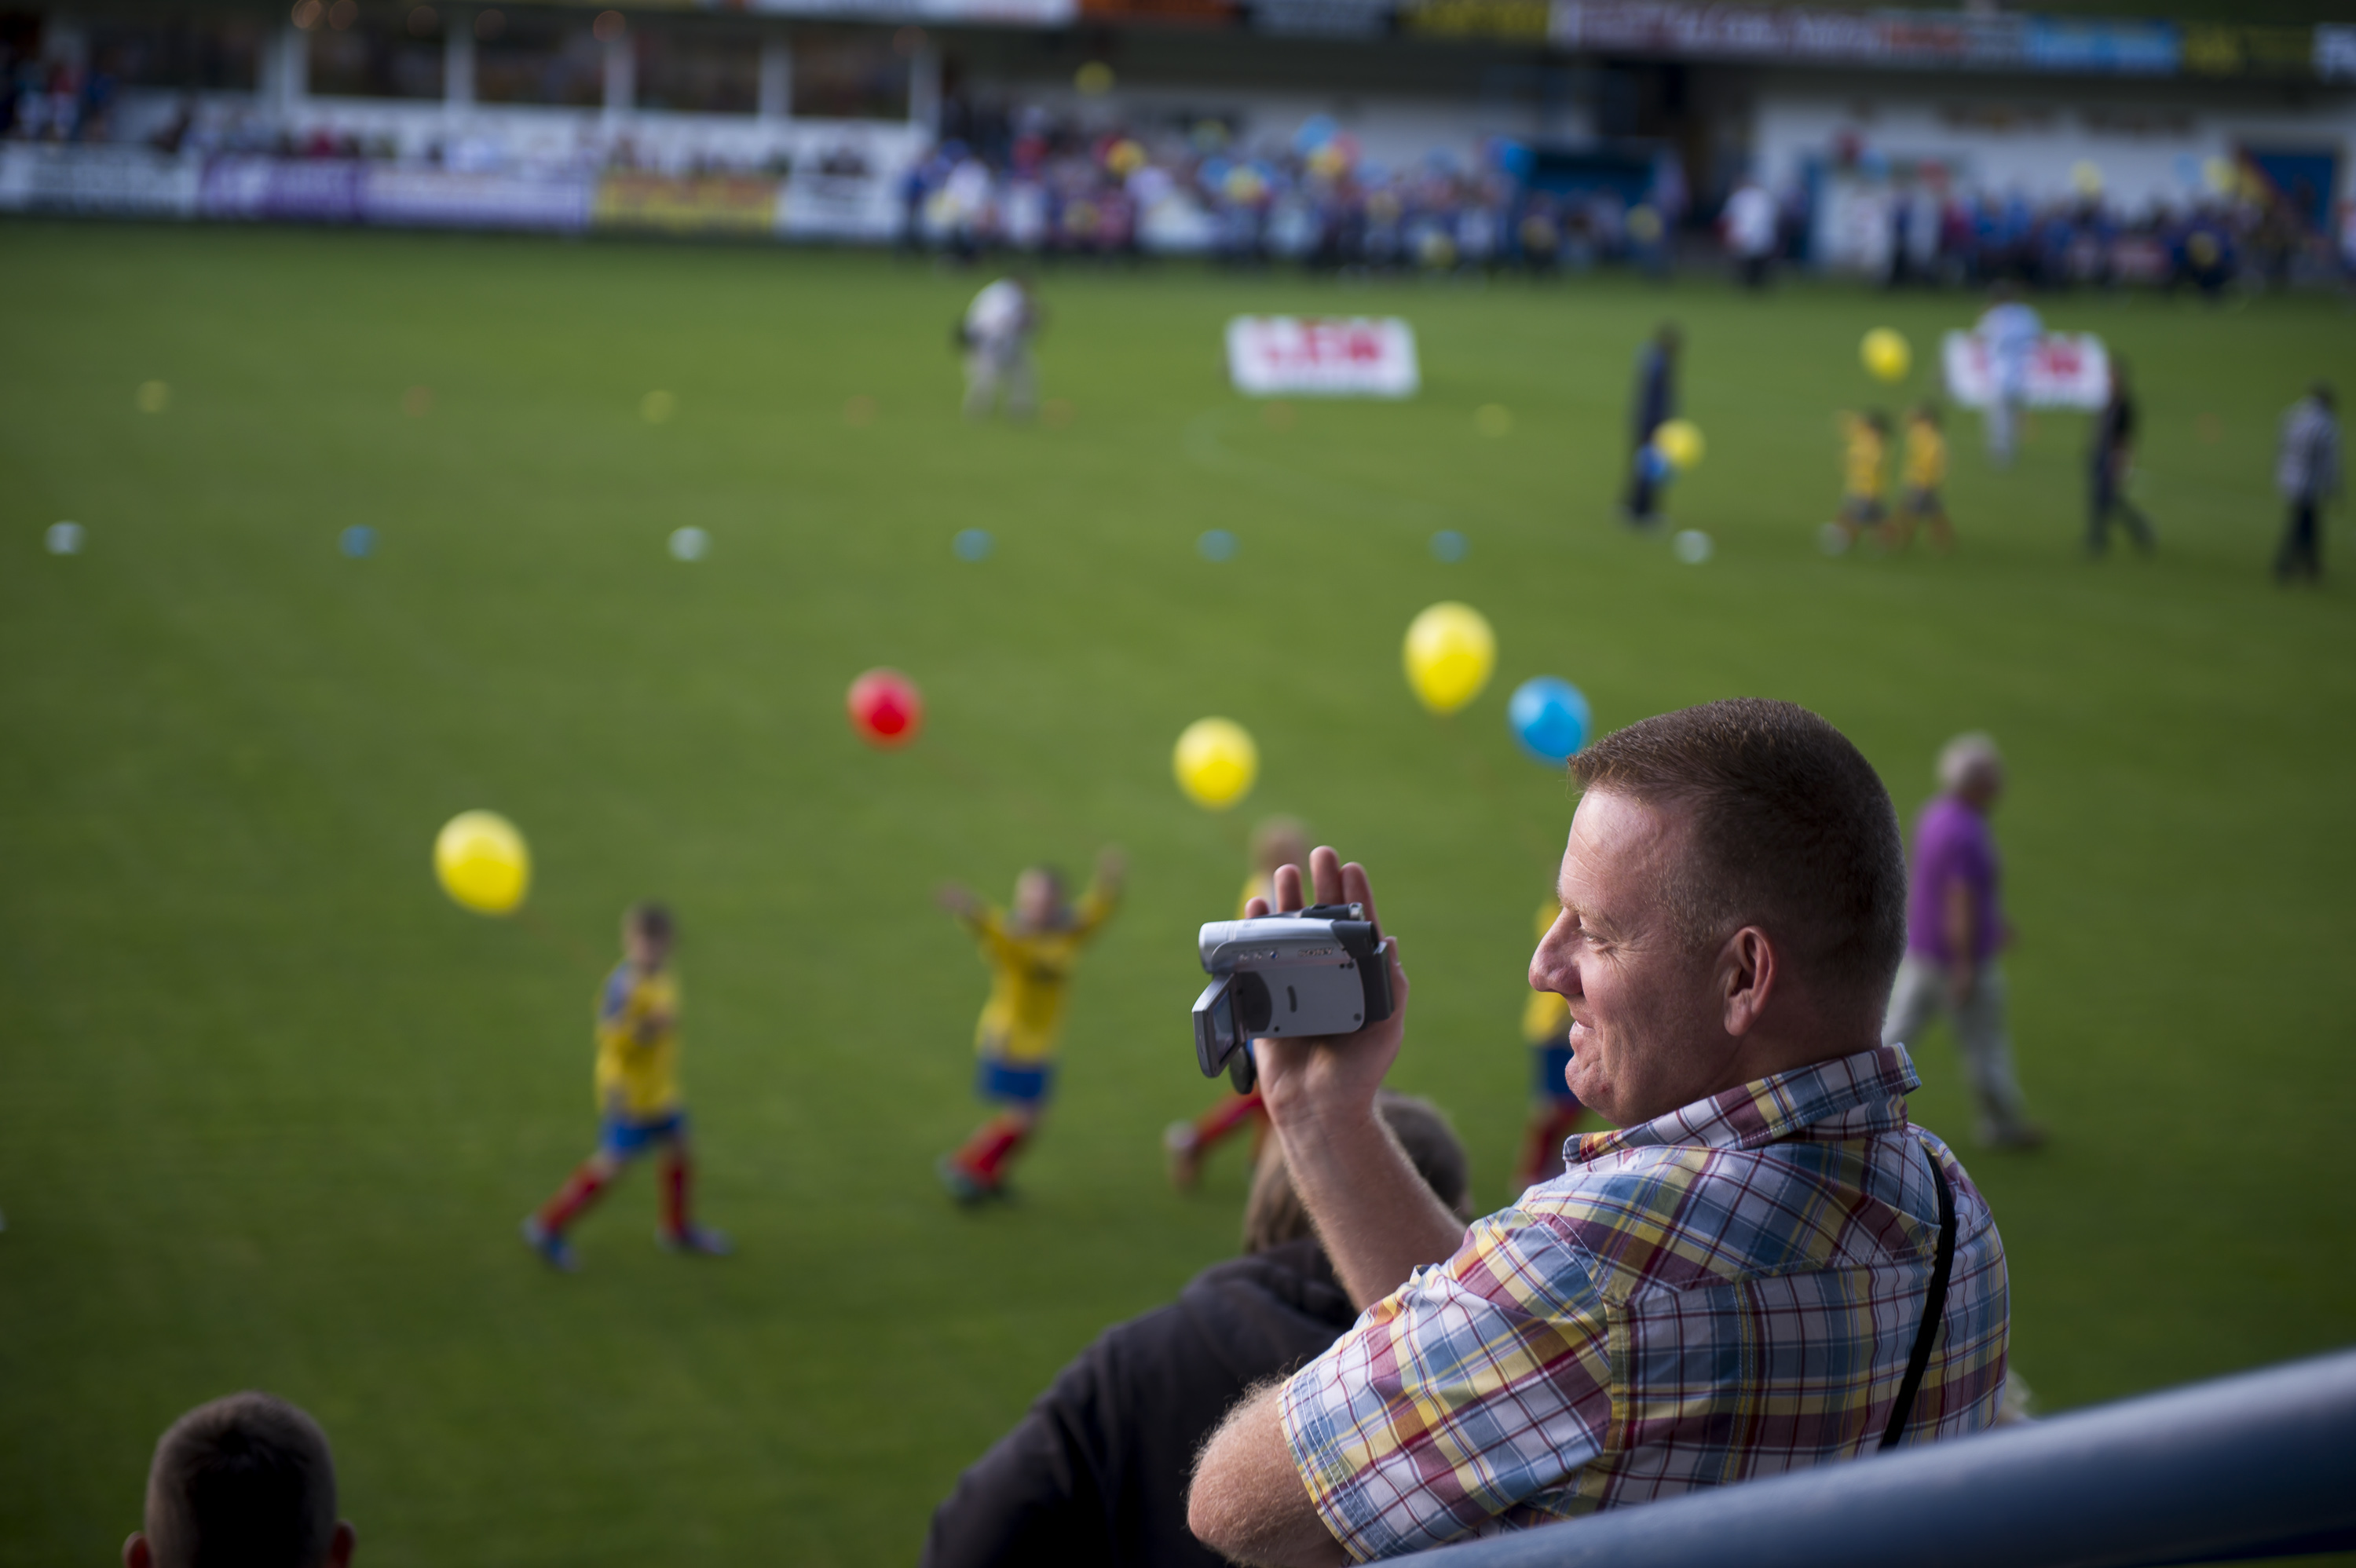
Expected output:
(1955, 928)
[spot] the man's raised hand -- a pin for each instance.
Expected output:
(1318, 1079)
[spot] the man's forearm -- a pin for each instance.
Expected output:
(1377, 1219)
(1246, 1501)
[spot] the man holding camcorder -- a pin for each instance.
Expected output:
(1765, 1267)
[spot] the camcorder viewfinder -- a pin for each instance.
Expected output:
(1322, 970)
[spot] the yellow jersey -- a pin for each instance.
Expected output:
(1030, 972)
(1257, 886)
(637, 1044)
(1926, 455)
(1863, 459)
(1546, 1016)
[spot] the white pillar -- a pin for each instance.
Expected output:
(286, 71)
(924, 90)
(458, 62)
(621, 77)
(776, 93)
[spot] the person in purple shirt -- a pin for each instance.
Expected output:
(1955, 928)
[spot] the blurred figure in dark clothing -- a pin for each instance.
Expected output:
(1097, 1471)
(2114, 430)
(1656, 404)
(2306, 472)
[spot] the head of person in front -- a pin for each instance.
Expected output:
(1763, 1230)
(245, 1482)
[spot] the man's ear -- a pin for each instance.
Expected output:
(1746, 970)
(136, 1553)
(341, 1544)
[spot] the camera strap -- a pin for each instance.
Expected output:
(1934, 1307)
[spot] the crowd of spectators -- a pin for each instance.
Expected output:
(1048, 187)
(49, 101)
(1317, 198)
(1031, 182)
(1934, 233)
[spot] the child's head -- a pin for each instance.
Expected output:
(1877, 422)
(1279, 841)
(648, 934)
(1039, 897)
(1927, 413)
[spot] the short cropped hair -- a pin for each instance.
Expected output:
(652, 921)
(1792, 830)
(1274, 1215)
(242, 1482)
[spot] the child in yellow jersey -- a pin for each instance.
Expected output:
(1279, 841)
(1867, 439)
(1925, 469)
(1554, 1110)
(638, 1095)
(1031, 951)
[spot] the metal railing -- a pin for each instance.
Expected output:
(2254, 1466)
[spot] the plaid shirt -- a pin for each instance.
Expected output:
(1727, 1291)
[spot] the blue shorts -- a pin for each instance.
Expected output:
(1552, 1060)
(1012, 1083)
(625, 1138)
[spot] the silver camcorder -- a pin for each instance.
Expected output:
(1318, 971)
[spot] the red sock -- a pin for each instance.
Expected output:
(580, 1189)
(992, 1144)
(675, 1178)
(1220, 1120)
(1542, 1152)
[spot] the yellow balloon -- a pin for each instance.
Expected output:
(1680, 441)
(1215, 763)
(482, 862)
(1450, 652)
(1886, 354)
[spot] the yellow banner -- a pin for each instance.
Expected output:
(696, 204)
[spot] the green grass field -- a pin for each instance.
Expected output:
(272, 1105)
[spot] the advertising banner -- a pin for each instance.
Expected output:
(1322, 356)
(302, 190)
(1323, 19)
(453, 199)
(125, 182)
(2335, 52)
(2065, 370)
(973, 13)
(861, 208)
(708, 204)
(1922, 38)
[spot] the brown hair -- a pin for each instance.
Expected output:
(1273, 1214)
(242, 1482)
(651, 920)
(1793, 830)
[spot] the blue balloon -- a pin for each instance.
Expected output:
(359, 541)
(1216, 544)
(1549, 718)
(972, 544)
(1656, 465)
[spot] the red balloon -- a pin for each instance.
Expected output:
(886, 708)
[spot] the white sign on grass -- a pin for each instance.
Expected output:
(2065, 370)
(1331, 356)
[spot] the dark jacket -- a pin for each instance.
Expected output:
(1097, 1472)
(1656, 391)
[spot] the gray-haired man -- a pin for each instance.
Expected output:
(1955, 928)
